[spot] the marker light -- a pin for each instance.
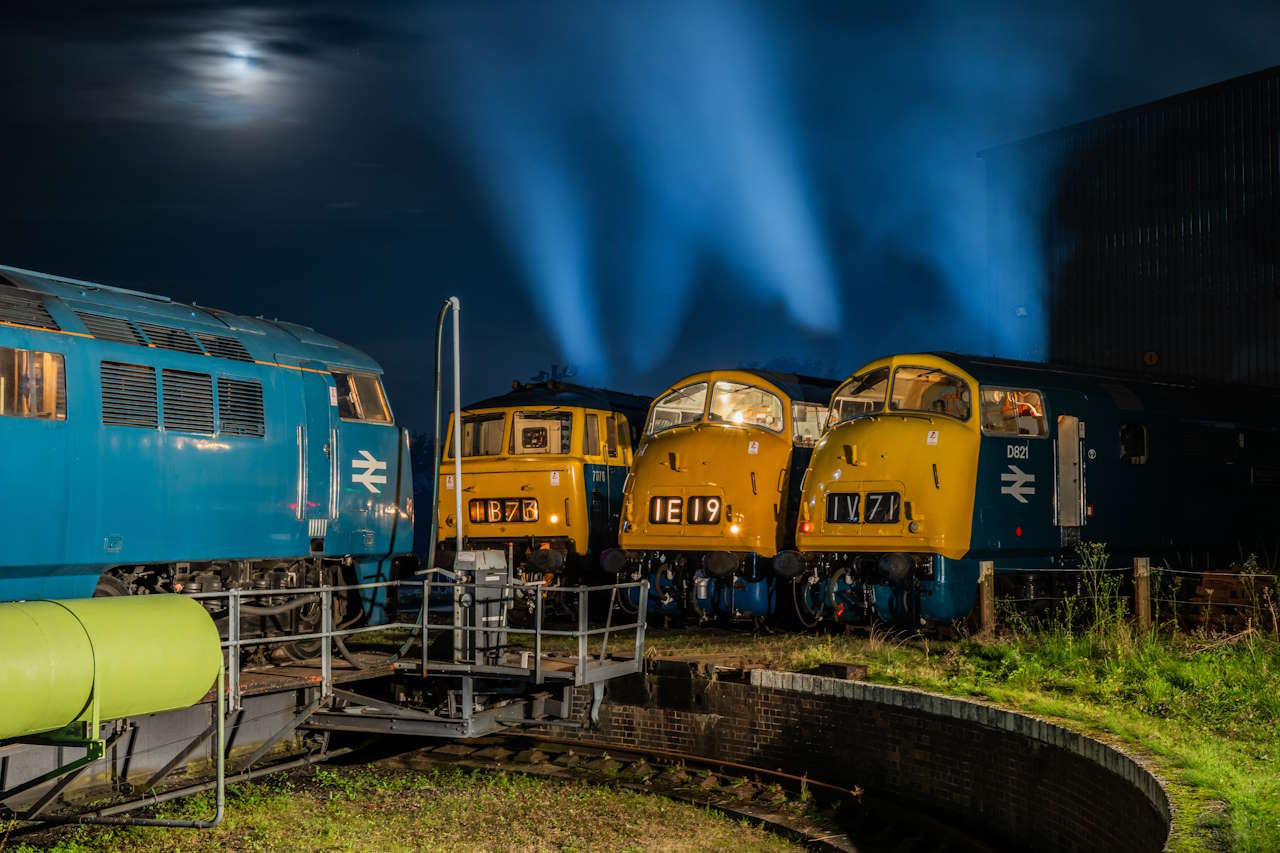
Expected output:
(734, 529)
(1017, 531)
(806, 526)
(555, 519)
(914, 526)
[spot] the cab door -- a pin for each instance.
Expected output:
(1069, 479)
(317, 453)
(617, 452)
(595, 476)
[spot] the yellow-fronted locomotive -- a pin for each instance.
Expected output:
(712, 496)
(933, 463)
(543, 469)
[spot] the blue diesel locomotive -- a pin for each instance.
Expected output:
(933, 463)
(149, 446)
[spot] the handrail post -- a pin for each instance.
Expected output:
(537, 635)
(642, 609)
(233, 647)
(582, 631)
(608, 623)
(426, 618)
(326, 629)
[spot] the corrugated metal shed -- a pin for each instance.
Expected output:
(1155, 233)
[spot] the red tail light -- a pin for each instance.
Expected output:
(806, 526)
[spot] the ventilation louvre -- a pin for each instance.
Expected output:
(221, 347)
(110, 328)
(167, 337)
(129, 395)
(240, 409)
(25, 309)
(188, 401)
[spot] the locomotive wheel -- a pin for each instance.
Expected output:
(904, 608)
(109, 585)
(307, 621)
(808, 601)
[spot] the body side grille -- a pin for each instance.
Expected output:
(188, 401)
(129, 395)
(167, 337)
(110, 328)
(223, 347)
(240, 407)
(26, 309)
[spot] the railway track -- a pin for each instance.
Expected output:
(813, 812)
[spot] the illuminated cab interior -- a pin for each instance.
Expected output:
(519, 435)
(736, 404)
(731, 402)
(933, 392)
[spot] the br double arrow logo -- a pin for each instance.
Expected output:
(1021, 485)
(369, 475)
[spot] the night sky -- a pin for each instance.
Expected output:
(638, 189)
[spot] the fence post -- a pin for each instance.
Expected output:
(1142, 592)
(987, 589)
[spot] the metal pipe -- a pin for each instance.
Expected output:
(437, 446)
(278, 609)
(457, 419)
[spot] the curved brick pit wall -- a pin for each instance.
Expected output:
(1009, 778)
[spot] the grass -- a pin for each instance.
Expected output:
(445, 809)
(1204, 711)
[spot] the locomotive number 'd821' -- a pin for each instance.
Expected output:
(933, 463)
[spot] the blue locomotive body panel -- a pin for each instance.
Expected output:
(177, 435)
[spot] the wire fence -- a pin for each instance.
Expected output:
(1165, 598)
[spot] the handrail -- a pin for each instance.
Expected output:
(433, 579)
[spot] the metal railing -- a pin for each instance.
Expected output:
(588, 668)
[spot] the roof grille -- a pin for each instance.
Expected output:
(25, 309)
(240, 410)
(188, 401)
(110, 328)
(129, 395)
(167, 337)
(221, 347)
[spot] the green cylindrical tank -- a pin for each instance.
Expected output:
(140, 654)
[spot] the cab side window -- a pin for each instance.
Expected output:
(1013, 411)
(1133, 444)
(808, 420)
(624, 438)
(611, 434)
(346, 397)
(591, 435)
(32, 384)
(360, 398)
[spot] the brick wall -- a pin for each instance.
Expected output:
(1010, 778)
